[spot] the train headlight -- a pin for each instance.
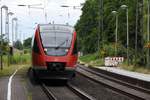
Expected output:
(66, 50)
(45, 49)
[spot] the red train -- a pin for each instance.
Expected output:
(54, 51)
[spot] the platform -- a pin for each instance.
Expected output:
(140, 76)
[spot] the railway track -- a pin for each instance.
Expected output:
(120, 86)
(49, 94)
(65, 93)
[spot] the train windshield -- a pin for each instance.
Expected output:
(56, 41)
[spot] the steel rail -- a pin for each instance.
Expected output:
(49, 94)
(117, 80)
(75, 90)
(114, 85)
(80, 93)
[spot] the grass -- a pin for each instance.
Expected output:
(93, 60)
(23, 70)
(29, 96)
(136, 68)
(88, 58)
(7, 71)
(17, 60)
(22, 61)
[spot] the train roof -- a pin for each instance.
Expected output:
(55, 27)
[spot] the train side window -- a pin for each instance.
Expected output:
(75, 50)
(35, 46)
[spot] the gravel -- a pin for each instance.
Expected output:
(63, 93)
(96, 90)
(34, 89)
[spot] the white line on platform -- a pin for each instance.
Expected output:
(9, 85)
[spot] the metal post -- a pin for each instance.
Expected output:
(6, 25)
(8, 15)
(6, 8)
(136, 30)
(99, 27)
(127, 15)
(116, 31)
(45, 12)
(16, 31)
(7, 31)
(127, 35)
(12, 33)
(45, 17)
(148, 25)
(116, 51)
(101, 21)
(1, 40)
(12, 21)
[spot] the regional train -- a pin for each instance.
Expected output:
(54, 51)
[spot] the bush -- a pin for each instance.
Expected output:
(26, 51)
(89, 57)
(140, 60)
(109, 50)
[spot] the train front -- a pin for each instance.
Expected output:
(57, 55)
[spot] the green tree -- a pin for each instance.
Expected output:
(27, 42)
(18, 45)
(4, 48)
(88, 28)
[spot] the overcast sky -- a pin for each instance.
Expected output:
(27, 18)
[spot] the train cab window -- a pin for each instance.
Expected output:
(56, 40)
